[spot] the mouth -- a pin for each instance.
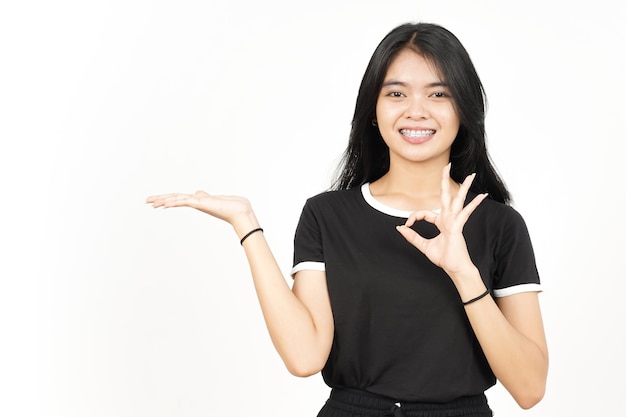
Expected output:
(417, 134)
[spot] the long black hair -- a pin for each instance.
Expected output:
(366, 158)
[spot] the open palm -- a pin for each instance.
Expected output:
(227, 208)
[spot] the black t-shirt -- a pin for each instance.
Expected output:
(400, 327)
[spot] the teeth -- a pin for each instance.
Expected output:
(417, 133)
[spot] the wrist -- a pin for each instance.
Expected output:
(477, 298)
(468, 283)
(464, 276)
(245, 223)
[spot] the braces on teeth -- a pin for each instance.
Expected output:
(417, 133)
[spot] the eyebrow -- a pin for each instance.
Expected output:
(403, 84)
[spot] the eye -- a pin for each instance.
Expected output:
(440, 94)
(395, 94)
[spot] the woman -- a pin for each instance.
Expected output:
(414, 282)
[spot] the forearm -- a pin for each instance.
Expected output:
(291, 326)
(519, 362)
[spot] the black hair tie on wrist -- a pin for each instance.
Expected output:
(258, 229)
(476, 298)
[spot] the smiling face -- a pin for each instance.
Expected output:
(415, 112)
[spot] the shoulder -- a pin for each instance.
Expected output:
(505, 228)
(498, 212)
(329, 211)
(499, 221)
(334, 207)
(334, 198)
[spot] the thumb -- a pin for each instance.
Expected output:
(412, 237)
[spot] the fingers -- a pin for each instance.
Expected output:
(455, 206)
(459, 200)
(471, 206)
(169, 200)
(445, 186)
(428, 215)
(412, 237)
(457, 203)
(153, 198)
(450, 220)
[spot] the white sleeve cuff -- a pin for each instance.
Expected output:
(308, 265)
(516, 289)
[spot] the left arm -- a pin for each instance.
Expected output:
(509, 330)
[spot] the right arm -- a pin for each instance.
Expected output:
(299, 319)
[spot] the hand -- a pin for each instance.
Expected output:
(447, 250)
(233, 209)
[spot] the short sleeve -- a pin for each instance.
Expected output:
(308, 249)
(516, 268)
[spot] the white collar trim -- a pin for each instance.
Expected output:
(383, 208)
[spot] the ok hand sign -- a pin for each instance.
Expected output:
(447, 250)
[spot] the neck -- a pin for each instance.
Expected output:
(422, 179)
(412, 186)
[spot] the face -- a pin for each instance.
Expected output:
(415, 112)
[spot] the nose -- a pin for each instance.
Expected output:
(417, 108)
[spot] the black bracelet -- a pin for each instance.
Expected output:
(476, 298)
(258, 229)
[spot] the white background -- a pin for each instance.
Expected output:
(110, 308)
